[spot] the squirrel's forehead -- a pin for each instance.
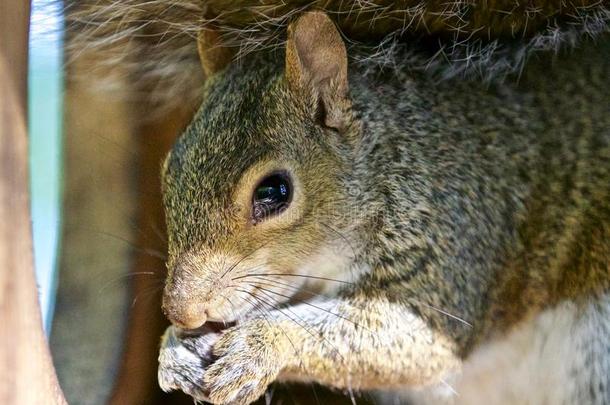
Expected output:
(210, 168)
(223, 141)
(226, 143)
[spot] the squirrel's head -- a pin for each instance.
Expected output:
(253, 188)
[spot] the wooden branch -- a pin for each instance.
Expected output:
(27, 375)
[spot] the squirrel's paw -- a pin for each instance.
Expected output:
(248, 359)
(183, 360)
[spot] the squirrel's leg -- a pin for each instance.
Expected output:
(343, 343)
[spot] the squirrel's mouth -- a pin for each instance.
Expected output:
(208, 327)
(220, 326)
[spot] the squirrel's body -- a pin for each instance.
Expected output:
(514, 176)
(469, 225)
(516, 182)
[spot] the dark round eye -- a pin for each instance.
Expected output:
(271, 196)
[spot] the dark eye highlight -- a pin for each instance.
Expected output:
(272, 196)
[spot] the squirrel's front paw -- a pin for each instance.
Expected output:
(183, 360)
(248, 358)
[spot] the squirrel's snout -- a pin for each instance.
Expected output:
(184, 313)
(198, 290)
(186, 319)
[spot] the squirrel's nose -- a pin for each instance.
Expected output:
(185, 314)
(188, 321)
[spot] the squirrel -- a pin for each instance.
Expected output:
(437, 241)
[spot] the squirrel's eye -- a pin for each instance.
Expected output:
(271, 196)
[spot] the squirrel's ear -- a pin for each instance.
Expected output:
(316, 63)
(214, 56)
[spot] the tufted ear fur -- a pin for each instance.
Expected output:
(316, 65)
(214, 56)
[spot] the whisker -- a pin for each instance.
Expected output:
(271, 282)
(276, 283)
(296, 352)
(311, 293)
(157, 230)
(351, 393)
(246, 271)
(125, 276)
(144, 294)
(319, 336)
(257, 305)
(446, 384)
(315, 394)
(320, 308)
(148, 251)
(457, 318)
(342, 236)
(293, 275)
(223, 296)
(244, 258)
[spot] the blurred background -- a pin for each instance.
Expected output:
(45, 125)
